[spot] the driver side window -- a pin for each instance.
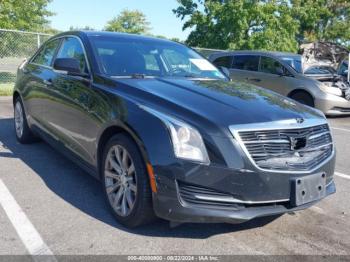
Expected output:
(45, 56)
(271, 66)
(72, 48)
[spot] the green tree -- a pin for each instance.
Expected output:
(129, 21)
(323, 20)
(239, 24)
(24, 15)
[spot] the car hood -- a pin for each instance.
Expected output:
(222, 102)
(323, 53)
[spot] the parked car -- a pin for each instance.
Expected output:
(326, 55)
(327, 62)
(343, 68)
(283, 73)
(168, 134)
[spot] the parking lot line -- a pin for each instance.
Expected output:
(342, 129)
(25, 229)
(342, 175)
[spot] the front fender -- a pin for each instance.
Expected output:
(149, 132)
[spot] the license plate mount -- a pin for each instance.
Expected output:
(307, 189)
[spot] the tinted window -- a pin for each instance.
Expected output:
(225, 61)
(151, 62)
(72, 48)
(115, 59)
(270, 65)
(343, 68)
(294, 62)
(177, 61)
(45, 56)
(126, 57)
(319, 70)
(246, 62)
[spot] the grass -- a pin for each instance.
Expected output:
(6, 89)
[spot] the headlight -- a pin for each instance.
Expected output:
(187, 141)
(331, 89)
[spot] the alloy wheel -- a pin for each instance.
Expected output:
(19, 121)
(120, 180)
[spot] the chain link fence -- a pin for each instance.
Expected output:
(15, 46)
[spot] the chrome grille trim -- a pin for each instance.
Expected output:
(264, 134)
(277, 141)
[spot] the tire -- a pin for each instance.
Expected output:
(303, 98)
(23, 133)
(126, 189)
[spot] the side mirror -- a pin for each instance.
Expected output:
(225, 71)
(69, 65)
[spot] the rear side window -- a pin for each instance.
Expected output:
(246, 62)
(225, 61)
(45, 56)
(72, 48)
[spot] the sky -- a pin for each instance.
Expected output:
(95, 14)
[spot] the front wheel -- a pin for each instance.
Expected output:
(303, 98)
(23, 133)
(125, 182)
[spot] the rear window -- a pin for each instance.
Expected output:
(225, 61)
(246, 62)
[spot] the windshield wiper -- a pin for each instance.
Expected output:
(195, 76)
(135, 76)
(138, 76)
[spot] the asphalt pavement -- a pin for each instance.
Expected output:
(63, 208)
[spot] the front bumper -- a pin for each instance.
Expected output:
(170, 208)
(261, 193)
(332, 105)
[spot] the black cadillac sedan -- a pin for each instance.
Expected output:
(168, 134)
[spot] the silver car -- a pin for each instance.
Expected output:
(283, 73)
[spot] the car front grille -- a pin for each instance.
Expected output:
(278, 149)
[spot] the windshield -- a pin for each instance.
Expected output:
(320, 70)
(294, 62)
(133, 57)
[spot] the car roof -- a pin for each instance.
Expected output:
(254, 52)
(118, 35)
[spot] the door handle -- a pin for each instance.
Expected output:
(48, 82)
